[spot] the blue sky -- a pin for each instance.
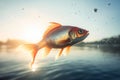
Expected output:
(27, 19)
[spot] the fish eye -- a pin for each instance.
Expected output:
(80, 31)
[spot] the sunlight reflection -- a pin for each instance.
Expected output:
(34, 67)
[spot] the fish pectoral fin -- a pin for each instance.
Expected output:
(67, 50)
(64, 41)
(46, 52)
(59, 54)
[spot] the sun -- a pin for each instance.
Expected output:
(32, 33)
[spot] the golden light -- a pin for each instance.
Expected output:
(32, 33)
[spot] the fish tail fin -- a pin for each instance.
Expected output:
(33, 48)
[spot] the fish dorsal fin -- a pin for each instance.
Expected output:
(55, 23)
(52, 26)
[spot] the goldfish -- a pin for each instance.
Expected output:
(57, 36)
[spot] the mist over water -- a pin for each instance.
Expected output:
(83, 63)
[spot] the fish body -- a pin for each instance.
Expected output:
(62, 37)
(58, 36)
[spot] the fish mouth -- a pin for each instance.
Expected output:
(86, 32)
(83, 37)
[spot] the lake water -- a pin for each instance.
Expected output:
(83, 63)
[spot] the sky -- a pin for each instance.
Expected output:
(28, 19)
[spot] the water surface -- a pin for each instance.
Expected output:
(83, 63)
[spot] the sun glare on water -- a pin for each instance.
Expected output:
(34, 67)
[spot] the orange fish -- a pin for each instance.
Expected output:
(58, 36)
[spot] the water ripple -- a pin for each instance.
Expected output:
(79, 65)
